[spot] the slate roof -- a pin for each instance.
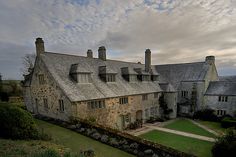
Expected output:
(167, 87)
(228, 78)
(59, 66)
(175, 73)
(221, 88)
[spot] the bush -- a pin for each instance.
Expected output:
(4, 96)
(228, 122)
(226, 145)
(16, 123)
(206, 114)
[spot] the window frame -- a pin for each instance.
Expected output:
(61, 105)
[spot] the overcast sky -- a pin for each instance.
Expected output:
(176, 31)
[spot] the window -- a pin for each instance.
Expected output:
(132, 78)
(45, 103)
(61, 105)
(83, 77)
(127, 118)
(145, 78)
(96, 104)
(184, 94)
(110, 78)
(223, 98)
(41, 79)
(156, 95)
(154, 77)
(124, 100)
(144, 97)
(221, 112)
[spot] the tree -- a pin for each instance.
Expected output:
(163, 105)
(225, 145)
(28, 63)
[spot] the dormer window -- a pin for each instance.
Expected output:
(107, 74)
(142, 74)
(110, 78)
(129, 74)
(154, 75)
(80, 74)
(146, 78)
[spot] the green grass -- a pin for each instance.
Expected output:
(189, 145)
(77, 142)
(216, 126)
(187, 126)
(22, 148)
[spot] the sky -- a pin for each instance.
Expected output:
(176, 31)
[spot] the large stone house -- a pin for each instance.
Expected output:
(116, 93)
(109, 92)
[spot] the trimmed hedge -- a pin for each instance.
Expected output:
(228, 122)
(206, 114)
(15, 123)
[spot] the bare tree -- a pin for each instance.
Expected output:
(28, 63)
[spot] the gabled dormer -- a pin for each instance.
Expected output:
(142, 74)
(106, 74)
(129, 74)
(154, 75)
(80, 74)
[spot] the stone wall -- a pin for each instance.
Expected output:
(112, 114)
(49, 90)
(229, 106)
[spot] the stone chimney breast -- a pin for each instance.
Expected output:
(102, 53)
(39, 43)
(90, 53)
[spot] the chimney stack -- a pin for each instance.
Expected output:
(90, 53)
(39, 46)
(210, 59)
(147, 60)
(102, 53)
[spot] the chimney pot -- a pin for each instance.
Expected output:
(210, 59)
(39, 43)
(102, 53)
(90, 53)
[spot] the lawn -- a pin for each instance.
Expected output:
(22, 148)
(77, 142)
(216, 126)
(189, 145)
(187, 126)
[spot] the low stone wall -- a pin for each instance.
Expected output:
(118, 139)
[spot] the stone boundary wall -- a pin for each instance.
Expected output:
(115, 138)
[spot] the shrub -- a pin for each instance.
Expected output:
(226, 145)
(228, 122)
(16, 123)
(4, 96)
(206, 114)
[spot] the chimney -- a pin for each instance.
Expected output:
(210, 59)
(39, 46)
(102, 53)
(147, 60)
(90, 53)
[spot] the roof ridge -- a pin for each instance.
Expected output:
(178, 63)
(92, 58)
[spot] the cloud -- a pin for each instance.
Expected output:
(175, 30)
